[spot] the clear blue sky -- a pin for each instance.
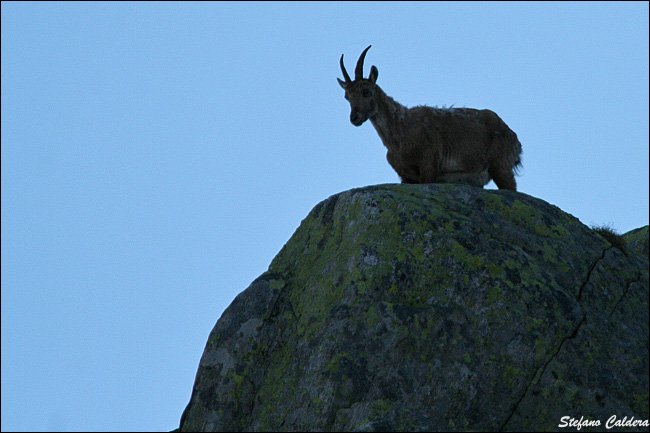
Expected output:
(157, 156)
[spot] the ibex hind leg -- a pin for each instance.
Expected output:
(504, 178)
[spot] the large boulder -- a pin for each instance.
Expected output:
(433, 308)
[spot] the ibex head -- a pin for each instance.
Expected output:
(360, 92)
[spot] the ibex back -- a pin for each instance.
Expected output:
(435, 145)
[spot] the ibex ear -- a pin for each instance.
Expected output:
(374, 73)
(341, 83)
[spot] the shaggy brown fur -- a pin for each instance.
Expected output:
(435, 145)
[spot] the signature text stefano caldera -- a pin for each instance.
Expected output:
(612, 422)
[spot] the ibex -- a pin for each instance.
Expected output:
(435, 145)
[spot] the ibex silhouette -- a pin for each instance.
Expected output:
(435, 145)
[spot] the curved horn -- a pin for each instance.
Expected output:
(358, 72)
(345, 73)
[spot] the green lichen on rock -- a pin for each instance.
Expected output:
(428, 308)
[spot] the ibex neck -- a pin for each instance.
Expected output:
(389, 119)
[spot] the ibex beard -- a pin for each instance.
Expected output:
(435, 145)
